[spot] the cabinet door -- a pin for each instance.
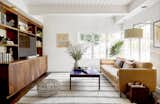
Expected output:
(23, 73)
(43, 64)
(19, 76)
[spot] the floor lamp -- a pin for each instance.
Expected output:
(134, 33)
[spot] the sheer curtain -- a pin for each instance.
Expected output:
(139, 49)
(95, 51)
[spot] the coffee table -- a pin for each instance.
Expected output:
(90, 73)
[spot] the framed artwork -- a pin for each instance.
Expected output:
(62, 40)
(156, 34)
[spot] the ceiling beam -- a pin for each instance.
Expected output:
(136, 7)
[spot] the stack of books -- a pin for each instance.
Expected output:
(5, 58)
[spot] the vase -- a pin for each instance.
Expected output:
(76, 64)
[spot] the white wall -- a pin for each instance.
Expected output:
(58, 59)
(149, 15)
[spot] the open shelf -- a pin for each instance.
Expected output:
(38, 47)
(39, 37)
(19, 33)
(8, 27)
(9, 45)
(24, 32)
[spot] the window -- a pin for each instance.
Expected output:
(96, 45)
(112, 39)
(139, 49)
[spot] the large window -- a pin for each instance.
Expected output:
(96, 45)
(112, 39)
(139, 49)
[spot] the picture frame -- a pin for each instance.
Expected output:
(62, 40)
(156, 34)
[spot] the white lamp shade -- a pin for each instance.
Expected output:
(133, 33)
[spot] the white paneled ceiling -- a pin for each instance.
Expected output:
(122, 8)
(78, 6)
(78, 2)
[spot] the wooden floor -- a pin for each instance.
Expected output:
(16, 97)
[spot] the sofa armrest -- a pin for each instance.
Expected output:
(107, 62)
(146, 76)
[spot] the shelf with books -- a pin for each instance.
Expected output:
(10, 50)
(19, 33)
(8, 17)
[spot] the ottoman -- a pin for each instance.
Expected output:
(48, 87)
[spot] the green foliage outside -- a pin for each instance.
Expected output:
(116, 48)
(90, 38)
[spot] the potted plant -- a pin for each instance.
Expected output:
(116, 48)
(76, 52)
(3, 40)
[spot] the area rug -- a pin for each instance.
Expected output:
(84, 91)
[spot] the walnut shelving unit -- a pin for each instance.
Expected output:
(16, 75)
(14, 32)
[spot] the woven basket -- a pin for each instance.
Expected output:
(48, 87)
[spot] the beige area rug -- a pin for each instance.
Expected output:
(84, 91)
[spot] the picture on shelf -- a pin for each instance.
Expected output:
(24, 41)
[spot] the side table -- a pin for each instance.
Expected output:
(138, 94)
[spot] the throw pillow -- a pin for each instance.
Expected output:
(119, 62)
(129, 64)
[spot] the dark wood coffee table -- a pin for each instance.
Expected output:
(90, 73)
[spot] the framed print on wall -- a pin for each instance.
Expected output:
(62, 40)
(156, 34)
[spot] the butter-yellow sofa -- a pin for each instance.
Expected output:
(119, 77)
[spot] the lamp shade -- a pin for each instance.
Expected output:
(133, 33)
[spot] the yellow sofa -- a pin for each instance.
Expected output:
(119, 77)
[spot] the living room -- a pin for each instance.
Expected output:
(64, 25)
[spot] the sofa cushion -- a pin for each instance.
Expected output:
(107, 61)
(129, 64)
(111, 69)
(119, 62)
